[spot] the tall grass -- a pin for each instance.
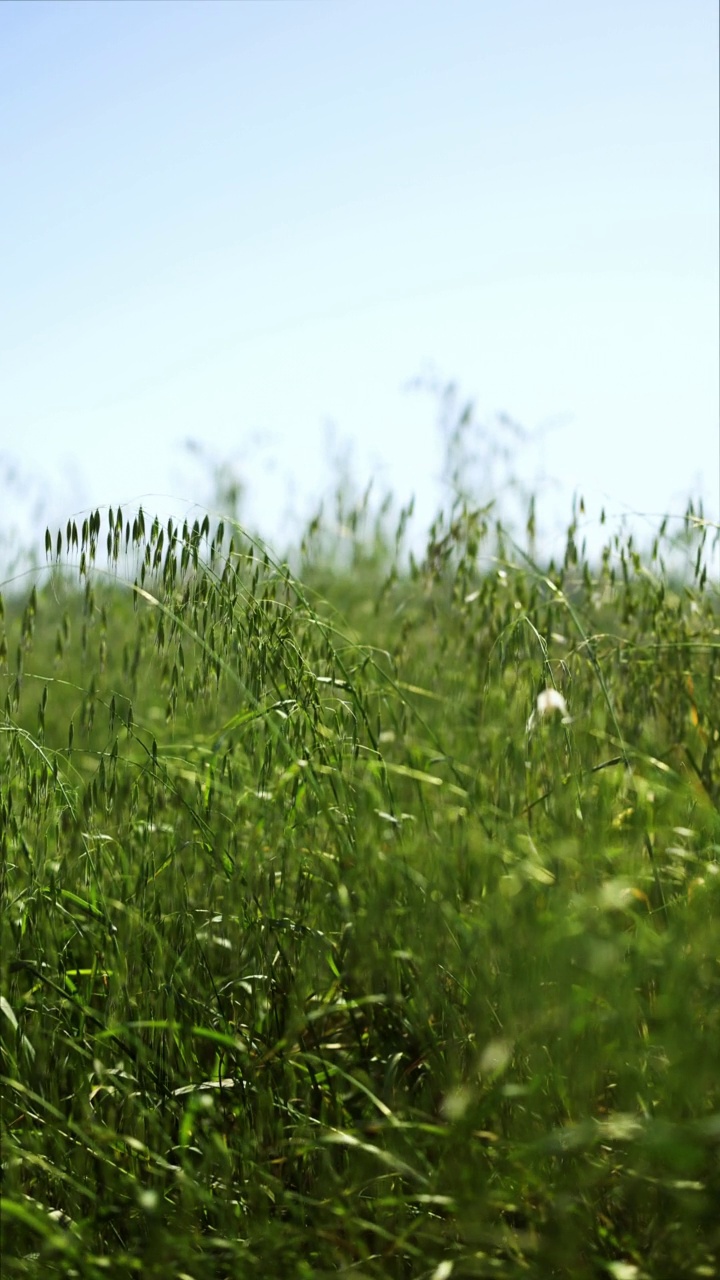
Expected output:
(326, 950)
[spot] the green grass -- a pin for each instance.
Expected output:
(321, 953)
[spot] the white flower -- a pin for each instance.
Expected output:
(551, 700)
(548, 700)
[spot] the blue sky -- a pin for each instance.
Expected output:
(254, 224)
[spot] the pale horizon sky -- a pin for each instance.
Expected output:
(253, 225)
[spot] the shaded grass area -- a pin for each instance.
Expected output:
(323, 951)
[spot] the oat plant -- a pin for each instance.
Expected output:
(360, 920)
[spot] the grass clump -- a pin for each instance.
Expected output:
(360, 921)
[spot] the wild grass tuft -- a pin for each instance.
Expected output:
(361, 920)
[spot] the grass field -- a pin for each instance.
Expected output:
(334, 944)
